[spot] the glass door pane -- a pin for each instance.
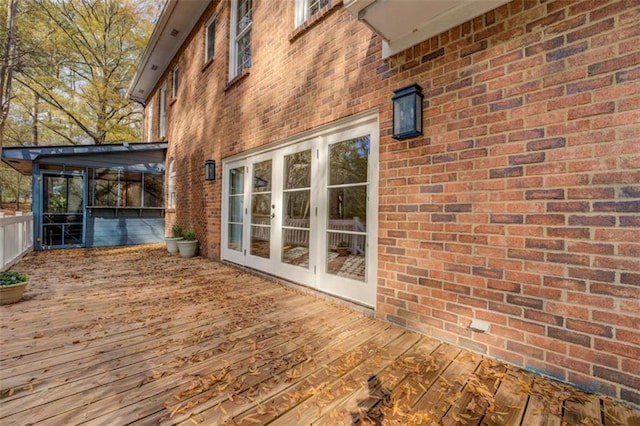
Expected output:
(347, 208)
(261, 210)
(236, 209)
(63, 217)
(296, 208)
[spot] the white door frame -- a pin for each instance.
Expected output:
(316, 275)
(227, 253)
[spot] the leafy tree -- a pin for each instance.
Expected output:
(8, 61)
(78, 58)
(64, 69)
(14, 187)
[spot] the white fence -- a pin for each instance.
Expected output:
(297, 232)
(16, 238)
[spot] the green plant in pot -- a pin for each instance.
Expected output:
(342, 248)
(176, 235)
(12, 285)
(189, 244)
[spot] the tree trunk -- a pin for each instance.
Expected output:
(7, 64)
(19, 184)
(35, 110)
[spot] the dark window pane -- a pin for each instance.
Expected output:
(346, 255)
(176, 82)
(235, 237)
(297, 208)
(244, 14)
(297, 170)
(262, 176)
(260, 241)
(261, 209)
(316, 5)
(236, 185)
(152, 190)
(236, 208)
(295, 247)
(105, 188)
(348, 208)
(244, 52)
(132, 189)
(211, 38)
(348, 161)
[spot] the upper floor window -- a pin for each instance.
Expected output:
(240, 52)
(175, 82)
(150, 123)
(307, 8)
(163, 111)
(209, 39)
(172, 185)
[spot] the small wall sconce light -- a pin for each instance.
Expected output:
(407, 112)
(210, 170)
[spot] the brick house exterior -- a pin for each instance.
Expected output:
(520, 204)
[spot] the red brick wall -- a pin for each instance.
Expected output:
(520, 205)
(298, 80)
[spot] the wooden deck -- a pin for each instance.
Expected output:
(136, 336)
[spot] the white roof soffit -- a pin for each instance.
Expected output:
(174, 25)
(405, 23)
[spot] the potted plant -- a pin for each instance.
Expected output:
(342, 248)
(12, 285)
(176, 232)
(188, 245)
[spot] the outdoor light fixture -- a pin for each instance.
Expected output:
(407, 112)
(210, 170)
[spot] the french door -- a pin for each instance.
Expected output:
(307, 211)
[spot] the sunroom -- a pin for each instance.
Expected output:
(93, 196)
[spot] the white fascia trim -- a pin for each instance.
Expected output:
(451, 19)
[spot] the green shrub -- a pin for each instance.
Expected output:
(189, 235)
(177, 231)
(8, 278)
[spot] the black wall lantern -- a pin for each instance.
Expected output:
(407, 112)
(210, 170)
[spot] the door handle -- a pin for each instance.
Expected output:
(273, 215)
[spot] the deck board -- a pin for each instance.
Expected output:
(285, 387)
(126, 371)
(367, 401)
(134, 335)
(510, 399)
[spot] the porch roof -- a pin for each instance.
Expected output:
(403, 24)
(130, 156)
(174, 25)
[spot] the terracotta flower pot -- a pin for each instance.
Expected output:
(342, 251)
(11, 293)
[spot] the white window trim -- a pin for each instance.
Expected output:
(302, 12)
(233, 48)
(150, 123)
(175, 82)
(162, 124)
(171, 186)
(206, 38)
